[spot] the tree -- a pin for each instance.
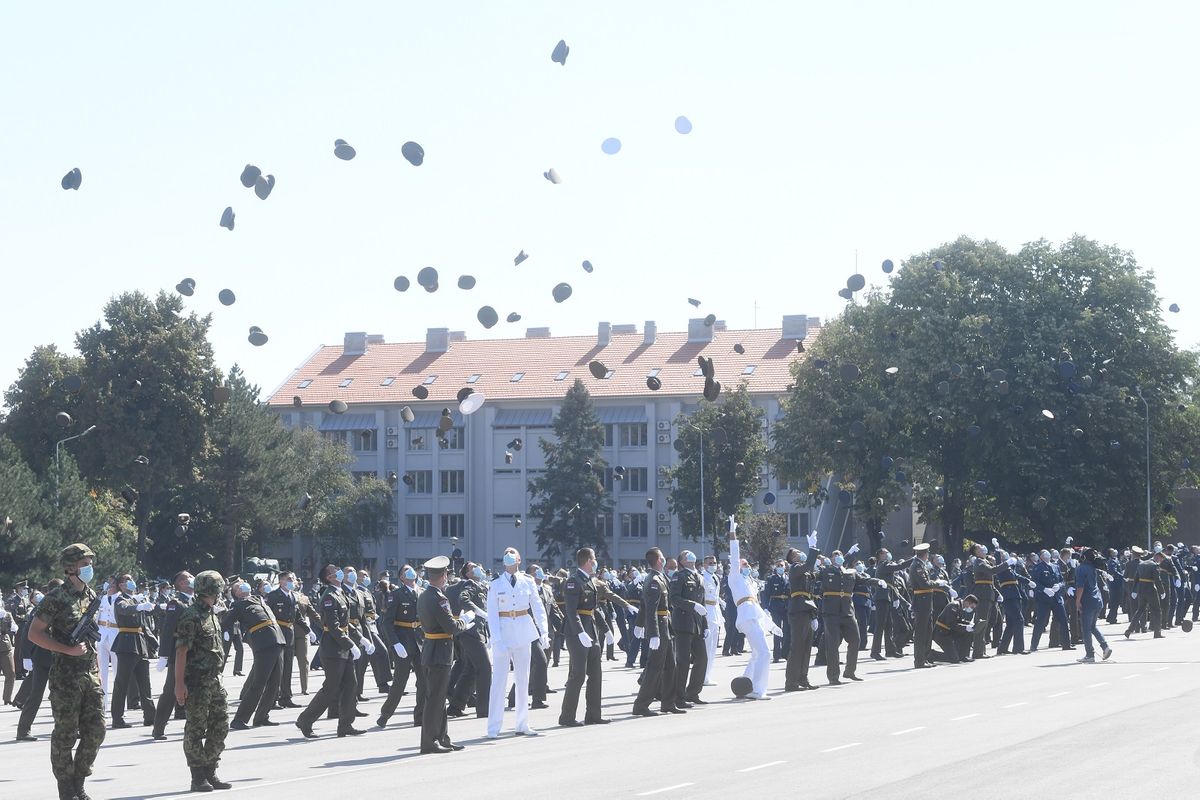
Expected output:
(734, 455)
(569, 497)
(34, 401)
(764, 540)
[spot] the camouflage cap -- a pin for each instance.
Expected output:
(209, 583)
(75, 552)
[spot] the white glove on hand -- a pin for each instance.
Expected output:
(161, 665)
(145, 606)
(544, 642)
(640, 633)
(853, 549)
(812, 541)
(814, 625)
(953, 595)
(400, 651)
(699, 607)
(162, 606)
(1070, 591)
(895, 604)
(1196, 587)
(632, 612)
(654, 643)
(363, 642)
(227, 636)
(584, 639)
(776, 630)
(355, 653)
(3, 613)
(312, 637)
(1049, 591)
(27, 664)
(1162, 595)
(12, 626)
(468, 617)
(1178, 583)
(995, 544)
(732, 524)
(970, 627)
(708, 633)
(369, 647)
(1133, 596)
(608, 639)
(1057, 586)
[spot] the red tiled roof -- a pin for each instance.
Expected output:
(496, 360)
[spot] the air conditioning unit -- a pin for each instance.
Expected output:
(663, 469)
(391, 530)
(664, 425)
(391, 444)
(306, 562)
(663, 516)
(391, 431)
(391, 562)
(664, 438)
(664, 484)
(663, 530)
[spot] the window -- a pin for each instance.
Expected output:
(387, 381)
(473, 378)
(608, 435)
(516, 378)
(420, 526)
(366, 441)
(429, 381)
(607, 479)
(562, 375)
(633, 435)
(748, 369)
(338, 437)
(634, 526)
(453, 525)
(422, 481)
(635, 479)
(418, 440)
(604, 524)
(345, 383)
(798, 525)
(304, 384)
(453, 481)
(454, 439)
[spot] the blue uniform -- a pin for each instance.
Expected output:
(1087, 592)
(1012, 586)
(1048, 577)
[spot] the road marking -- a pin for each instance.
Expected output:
(763, 766)
(964, 716)
(665, 789)
(909, 730)
(1058, 694)
(842, 747)
(1162, 669)
(1014, 705)
(1134, 675)
(1098, 685)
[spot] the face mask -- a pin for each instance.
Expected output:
(339, 576)
(105, 587)
(861, 568)
(477, 573)
(510, 560)
(779, 570)
(670, 573)
(537, 573)
(37, 598)
(289, 586)
(745, 572)
(887, 556)
(1158, 548)
(803, 557)
(941, 562)
(244, 588)
(410, 574)
(710, 568)
(839, 560)
(366, 581)
(130, 586)
(23, 592)
(352, 579)
(1074, 562)
(754, 574)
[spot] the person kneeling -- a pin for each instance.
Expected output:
(953, 629)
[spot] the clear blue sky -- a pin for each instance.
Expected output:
(820, 130)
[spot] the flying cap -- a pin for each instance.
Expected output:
(487, 316)
(186, 287)
(466, 282)
(338, 406)
(227, 297)
(519, 257)
(552, 176)
(343, 150)
(63, 419)
(653, 383)
(227, 217)
(561, 51)
(561, 292)
(921, 548)
(249, 175)
(413, 153)
(598, 370)
(73, 179)
(263, 186)
(401, 283)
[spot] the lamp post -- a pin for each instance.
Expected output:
(57, 466)
(1146, 406)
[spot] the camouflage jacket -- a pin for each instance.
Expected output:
(62, 609)
(199, 630)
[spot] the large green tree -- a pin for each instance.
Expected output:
(734, 454)
(34, 401)
(569, 497)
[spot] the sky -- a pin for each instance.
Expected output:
(825, 135)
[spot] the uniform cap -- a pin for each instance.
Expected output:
(186, 287)
(257, 337)
(466, 282)
(63, 419)
(343, 150)
(464, 393)
(513, 317)
(521, 256)
(1174, 308)
(75, 552)
(420, 391)
(611, 145)
(560, 53)
(769, 499)
(472, 403)
(263, 186)
(653, 383)
(338, 406)
(856, 282)
(921, 548)
(209, 583)
(741, 686)
(694, 302)
(428, 276)
(227, 218)
(487, 316)
(683, 125)
(849, 372)
(598, 370)
(740, 349)
(413, 153)
(587, 266)
(888, 266)
(227, 297)
(73, 179)
(401, 283)
(561, 292)
(249, 175)
(437, 562)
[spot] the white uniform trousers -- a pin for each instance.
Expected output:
(758, 669)
(105, 655)
(710, 644)
(502, 658)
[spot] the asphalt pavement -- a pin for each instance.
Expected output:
(991, 726)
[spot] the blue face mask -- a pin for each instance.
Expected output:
(839, 560)
(803, 557)
(37, 598)
(366, 581)
(779, 570)
(710, 568)
(244, 587)
(539, 574)
(289, 586)
(510, 560)
(477, 572)
(86, 573)
(191, 583)
(351, 578)
(670, 573)
(410, 574)
(745, 572)
(130, 586)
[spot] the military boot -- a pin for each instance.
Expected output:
(200, 781)
(214, 781)
(66, 789)
(80, 794)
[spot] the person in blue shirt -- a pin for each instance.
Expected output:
(1089, 604)
(1049, 598)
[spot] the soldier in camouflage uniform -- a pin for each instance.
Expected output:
(75, 695)
(199, 647)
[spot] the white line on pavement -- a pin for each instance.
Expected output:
(1162, 669)
(1134, 675)
(1058, 694)
(964, 716)
(909, 730)
(665, 789)
(1098, 685)
(763, 766)
(1014, 705)
(842, 747)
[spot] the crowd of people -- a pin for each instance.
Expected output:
(456, 636)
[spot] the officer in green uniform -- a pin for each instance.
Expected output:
(199, 659)
(689, 619)
(437, 655)
(75, 696)
(338, 652)
(583, 647)
(923, 588)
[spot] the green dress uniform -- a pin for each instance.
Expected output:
(802, 612)
(579, 617)
(690, 628)
(401, 619)
(657, 679)
(75, 697)
(922, 590)
(437, 657)
(207, 705)
(338, 689)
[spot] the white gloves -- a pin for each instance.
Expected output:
(312, 637)
(544, 642)
(1162, 595)
(699, 607)
(400, 651)
(1178, 583)
(369, 647)
(1049, 591)
(814, 625)
(631, 611)
(3, 613)
(162, 664)
(895, 604)
(1196, 587)
(812, 541)
(882, 583)
(640, 633)
(654, 642)
(853, 549)
(1057, 586)
(145, 606)
(941, 583)
(707, 633)
(1070, 591)
(608, 638)
(953, 595)
(162, 606)
(776, 630)
(1133, 595)
(27, 664)
(227, 636)
(995, 544)
(584, 639)
(355, 653)
(468, 617)
(970, 627)
(732, 524)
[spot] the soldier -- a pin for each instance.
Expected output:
(752, 621)
(75, 696)
(983, 572)
(802, 614)
(922, 588)
(712, 607)
(954, 628)
(689, 618)
(377, 654)
(259, 628)
(658, 678)
(1088, 605)
(437, 655)
(358, 634)
(1049, 601)
(107, 621)
(837, 613)
(582, 644)
(132, 648)
(199, 657)
(37, 662)
(776, 594)
(405, 626)
(308, 622)
(1012, 583)
(516, 619)
(185, 585)
(470, 594)
(284, 604)
(883, 642)
(8, 631)
(338, 652)
(540, 656)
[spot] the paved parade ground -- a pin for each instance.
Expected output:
(995, 725)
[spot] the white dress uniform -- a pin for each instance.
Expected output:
(712, 606)
(750, 622)
(107, 617)
(516, 617)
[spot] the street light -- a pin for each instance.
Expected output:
(57, 466)
(1146, 406)
(698, 429)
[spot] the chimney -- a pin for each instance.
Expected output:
(651, 333)
(458, 336)
(624, 330)
(355, 343)
(537, 333)
(698, 331)
(814, 322)
(374, 338)
(795, 327)
(604, 335)
(720, 325)
(437, 340)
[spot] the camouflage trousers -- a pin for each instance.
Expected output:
(78, 707)
(207, 723)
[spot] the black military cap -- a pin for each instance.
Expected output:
(888, 266)
(849, 372)
(769, 499)
(413, 153)
(407, 414)
(297, 401)
(710, 320)
(464, 393)
(739, 348)
(338, 406)
(741, 685)
(257, 337)
(513, 317)
(856, 282)
(561, 50)
(227, 297)
(598, 370)
(249, 175)
(466, 281)
(653, 383)
(63, 419)
(428, 276)
(420, 391)
(72, 384)
(561, 292)
(487, 316)
(401, 283)
(73, 179)
(519, 257)
(694, 302)
(186, 287)
(1174, 308)
(263, 186)
(587, 266)
(343, 150)
(227, 217)
(845, 294)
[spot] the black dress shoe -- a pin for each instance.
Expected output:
(645, 712)
(266, 723)
(793, 688)
(351, 732)
(539, 705)
(238, 725)
(1068, 647)
(853, 678)
(552, 691)
(696, 701)
(684, 705)
(596, 721)
(25, 737)
(982, 655)
(429, 751)
(361, 699)
(570, 723)
(808, 687)
(835, 683)
(361, 714)
(878, 658)
(290, 704)
(451, 745)
(673, 710)
(239, 674)
(306, 730)
(454, 713)
(119, 723)
(159, 737)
